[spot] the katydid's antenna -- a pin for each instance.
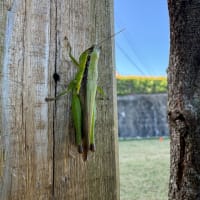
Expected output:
(111, 36)
(95, 20)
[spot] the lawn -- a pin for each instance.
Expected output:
(144, 169)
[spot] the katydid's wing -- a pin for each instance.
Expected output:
(92, 134)
(90, 92)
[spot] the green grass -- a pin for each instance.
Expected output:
(144, 169)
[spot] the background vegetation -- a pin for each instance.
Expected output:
(144, 169)
(141, 85)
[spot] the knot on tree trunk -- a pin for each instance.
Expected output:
(179, 121)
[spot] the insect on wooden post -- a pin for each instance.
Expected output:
(84, 88)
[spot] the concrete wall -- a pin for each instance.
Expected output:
(142, 115)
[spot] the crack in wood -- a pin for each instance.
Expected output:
(55, 93)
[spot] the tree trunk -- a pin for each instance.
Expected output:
(184, 99)
(40, 159)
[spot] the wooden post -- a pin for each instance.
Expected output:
(39, 159)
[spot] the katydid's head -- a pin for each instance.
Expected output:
(93, 48)
(97, 48)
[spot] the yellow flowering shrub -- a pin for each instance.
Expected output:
(141, 84)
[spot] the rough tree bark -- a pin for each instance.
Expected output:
(184, 99)
(39, 159)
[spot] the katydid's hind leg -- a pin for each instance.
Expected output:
(92, 138)
(77, 120)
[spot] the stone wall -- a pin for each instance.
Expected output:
(142, 115)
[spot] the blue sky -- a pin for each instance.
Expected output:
(143, 47)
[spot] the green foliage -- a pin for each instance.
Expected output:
(141, 85)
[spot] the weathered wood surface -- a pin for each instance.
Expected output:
(40, 159)
(2, 35)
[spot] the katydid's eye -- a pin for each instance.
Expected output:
(56, 77)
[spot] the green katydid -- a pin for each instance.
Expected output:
(84, 88)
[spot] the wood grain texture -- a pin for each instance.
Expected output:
(40, 159)
(27, 141)
(2, 37)
(97, 178)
